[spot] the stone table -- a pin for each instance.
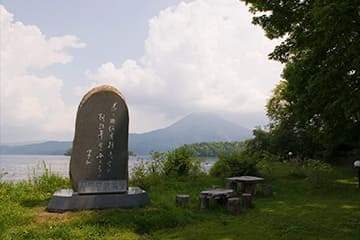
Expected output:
(217, 193)
(248, 183)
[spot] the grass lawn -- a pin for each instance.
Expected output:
(297, 210)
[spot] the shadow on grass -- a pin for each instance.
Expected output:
(30, 203)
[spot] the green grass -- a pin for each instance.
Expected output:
(297, 210)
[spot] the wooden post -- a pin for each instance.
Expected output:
(182, 200)
(204, 201)
(233, 205)
(247, 200)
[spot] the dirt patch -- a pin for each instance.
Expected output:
(47, 217)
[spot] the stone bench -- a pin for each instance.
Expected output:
(247, 200)
(233, 205)
(182, 200)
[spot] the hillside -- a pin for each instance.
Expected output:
(46, 148)
(194, 128)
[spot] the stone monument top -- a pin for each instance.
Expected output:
(99, 158)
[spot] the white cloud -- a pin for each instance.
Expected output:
(199, 56)
(31, 103)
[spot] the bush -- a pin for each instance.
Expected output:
(146, 173)
(139, 174)
(177, 163)
(296, 165)
(48, 182)
(181, 162)
(265, 163)
(264, 168)
(317, 172)
(235, 164)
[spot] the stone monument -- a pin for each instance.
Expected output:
(99, 158)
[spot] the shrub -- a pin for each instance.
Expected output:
(235, 164)
(139, 174)
(296, 165)
(177, 163)
(147, 173)
(181, 162)
(316, 171)
(48, 182)
(264, 168)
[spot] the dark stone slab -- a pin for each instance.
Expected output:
(100, 146)
(66, 200)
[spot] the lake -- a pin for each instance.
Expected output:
(25, 167)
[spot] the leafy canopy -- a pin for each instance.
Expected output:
(318, 102)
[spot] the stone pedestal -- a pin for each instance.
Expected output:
(247, 200)
(204, 201)
(267, 190)
(67, 200)
(182, 200)
(233, 205)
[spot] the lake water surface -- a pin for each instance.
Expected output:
(25, 167)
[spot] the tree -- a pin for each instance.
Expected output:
(318, 103)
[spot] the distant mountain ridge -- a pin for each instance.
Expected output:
(45, 148)
(194, 128)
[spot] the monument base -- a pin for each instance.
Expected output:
(67, 200)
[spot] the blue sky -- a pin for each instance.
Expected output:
(168, 57)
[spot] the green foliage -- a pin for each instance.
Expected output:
(48, 182)
(235, 164)
(315, 108)
(296, 165)
(298, 210)
(146, 174)
(177, 163)
(139, 174)
(214, 149)
(264, 168)
(180, 162)
(317, 172)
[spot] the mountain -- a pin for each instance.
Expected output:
(194, 128)
(45, 148)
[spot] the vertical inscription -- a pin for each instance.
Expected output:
(88, 157)
(106, 142)
(100, 155)
(111, 129)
